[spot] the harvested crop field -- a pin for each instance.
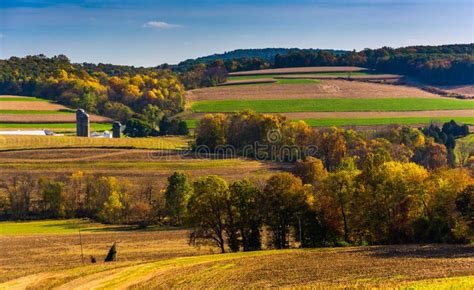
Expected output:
(163, 259)
(47, 118)
(56, 127)
(22, 255)
(30, 105)
(138, 166)
(324, 90)
(292, 70)
(33, 112)
(51, 142)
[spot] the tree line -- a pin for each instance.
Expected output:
(250, 135)
(381, 202)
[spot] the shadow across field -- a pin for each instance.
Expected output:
(431, 251)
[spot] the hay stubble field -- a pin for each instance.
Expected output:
(163, 258)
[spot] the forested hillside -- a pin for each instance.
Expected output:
(443, 65)
(265, 54)
(119, 92)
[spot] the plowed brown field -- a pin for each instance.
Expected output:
(326, 89)
(44, 118)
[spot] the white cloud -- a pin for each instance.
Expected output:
(160, 25)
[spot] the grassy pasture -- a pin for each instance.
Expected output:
(332, 105)
(49, 227)
(21, 99)
(384, 121)
(338, 122)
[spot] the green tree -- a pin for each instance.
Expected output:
(177, 191)
(311, 170)
(137, 128)
(207, 211)
(341, 187)
(211, 131)
(284, 198)
(52, 198)
(153, 115)
(112, 208)
(246, 200)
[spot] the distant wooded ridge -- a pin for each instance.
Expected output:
(440, 65)
(267, 54)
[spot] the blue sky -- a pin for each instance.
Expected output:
(148, 33)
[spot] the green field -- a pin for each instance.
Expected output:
(271, 76)
(48, 227)
(22, 99)
(93, 126)
(384, 121)
(35, 112)
(332, 105)
(192, 124)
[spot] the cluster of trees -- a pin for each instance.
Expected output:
(204, 75)
(381, 202)
(119, 92)
(274, 137)
(141, 127)
(447, 135)
(102, 198)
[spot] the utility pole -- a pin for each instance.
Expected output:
(301, 235)
(82, 251)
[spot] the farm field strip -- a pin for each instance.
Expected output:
(331, 105)
(327, 89)
(38, 112)
(47, 118)
(175, 165)
(300, 70)
(72, 126)
(385, 121)
(21, 99)
(302, 75)
(50, 142)
(71, 226)
(322, 122)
